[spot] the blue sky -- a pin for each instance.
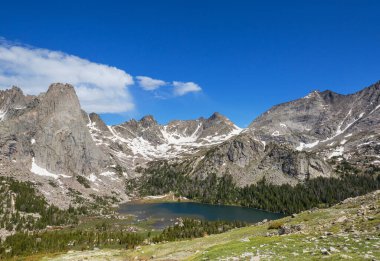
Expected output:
(245, 56)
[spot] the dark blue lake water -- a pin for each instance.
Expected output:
(165, 213)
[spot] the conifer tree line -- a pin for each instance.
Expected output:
(23, 209)
(317, 192)
(193, 228)
(24, 244)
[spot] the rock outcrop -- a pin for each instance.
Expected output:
(50, 129)
(44, 139)
(63, 143)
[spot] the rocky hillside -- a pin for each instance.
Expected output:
(301, 139)
(330, 124)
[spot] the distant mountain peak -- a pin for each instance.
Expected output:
(148, 120)
(312, 94)
(216, 118)
(97, 121)
(16, 89)
(216, 115)
(61, 87)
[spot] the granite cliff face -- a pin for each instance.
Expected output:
(50, 129)
(17, 122)
(62, 142)
(44, 139)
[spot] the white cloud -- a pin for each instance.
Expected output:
(182, 88)
(150, 84)
(100, 88)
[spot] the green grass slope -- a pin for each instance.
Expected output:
(348, 230)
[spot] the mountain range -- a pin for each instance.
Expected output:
(49, 140)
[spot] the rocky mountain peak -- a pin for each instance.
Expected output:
(61, 87)
(12, 102)
(216, 115)
(12, 95)
(217, 119)
(148, 121)
(334, 125)
(63, 141)
(62, 91)
(16, 89)
(97, 122)
(62, 99)
(371, 93)
(330, 96)
(313, 94)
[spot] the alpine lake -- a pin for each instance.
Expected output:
(163, 214)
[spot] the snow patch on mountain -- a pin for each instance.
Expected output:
(175, 138)
(307, 145)
(174, 142)
(337, 152)
(2, 114)
(44, 172)
(212, 140)
(339, 130)
(94, 131)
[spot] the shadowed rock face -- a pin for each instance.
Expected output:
(98, 122)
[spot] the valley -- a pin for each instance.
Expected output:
(348, 230)
(71, 184)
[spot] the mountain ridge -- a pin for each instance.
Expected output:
(326, 127)
(50, 137)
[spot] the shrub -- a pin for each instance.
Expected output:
(275, 224)
(82, 180)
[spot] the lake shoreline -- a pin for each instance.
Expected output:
(171, 198)
(165, 198)
(165, 211)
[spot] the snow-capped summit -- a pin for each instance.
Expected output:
(145, 140)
